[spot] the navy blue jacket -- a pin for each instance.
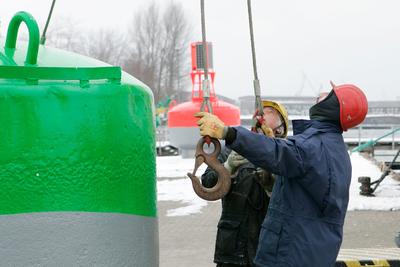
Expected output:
(304, 223)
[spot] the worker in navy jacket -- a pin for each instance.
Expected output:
(304, 222)
(245, 205)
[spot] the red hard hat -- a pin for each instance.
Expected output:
(353, 105)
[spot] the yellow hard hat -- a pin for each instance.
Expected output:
(281, 109)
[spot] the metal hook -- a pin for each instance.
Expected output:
(224, 179)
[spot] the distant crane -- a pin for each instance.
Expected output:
(305, 80)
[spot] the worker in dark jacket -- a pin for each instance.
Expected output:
(304, 222)
(245, 206)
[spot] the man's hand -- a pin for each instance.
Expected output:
(234, 161)
(210, 125)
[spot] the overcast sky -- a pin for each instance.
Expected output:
(298, 42)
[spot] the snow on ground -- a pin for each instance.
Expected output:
(387, 194)
(176, 167)
(179, 188)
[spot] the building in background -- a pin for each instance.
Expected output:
(382, 118)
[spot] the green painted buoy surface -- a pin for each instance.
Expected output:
(77, 155)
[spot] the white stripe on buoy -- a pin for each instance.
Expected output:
(78, 239)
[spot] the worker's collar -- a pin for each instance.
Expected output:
(299, 126)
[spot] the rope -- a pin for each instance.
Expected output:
(256, 82)
(206, 83)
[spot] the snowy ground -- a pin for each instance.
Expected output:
(173, 186)
(387, 193)
(178, 186)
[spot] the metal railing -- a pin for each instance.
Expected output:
(388, 137)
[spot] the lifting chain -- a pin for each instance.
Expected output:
(223, 184)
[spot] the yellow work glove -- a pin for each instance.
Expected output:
(267, 130)
(211, 125)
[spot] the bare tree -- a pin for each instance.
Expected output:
(65, 33)
(177, 33)
(155, 51)
(107, 45)
(159, 51)
(145, 39)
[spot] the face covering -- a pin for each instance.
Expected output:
(327, 110)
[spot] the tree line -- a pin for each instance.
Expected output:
(155, 48)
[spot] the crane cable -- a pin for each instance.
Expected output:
(256, 82)
(205, 83)
(43, 38)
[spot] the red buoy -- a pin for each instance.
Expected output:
(182, 125)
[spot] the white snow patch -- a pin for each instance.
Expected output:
(180, 189)
(387, 195)
(176, 167)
